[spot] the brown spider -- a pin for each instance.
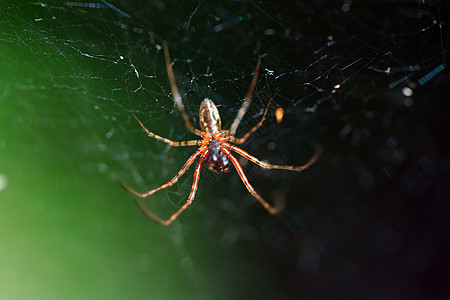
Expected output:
(214, 147)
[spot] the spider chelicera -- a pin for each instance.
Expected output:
(214, 147)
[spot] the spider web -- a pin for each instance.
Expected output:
(368, 82)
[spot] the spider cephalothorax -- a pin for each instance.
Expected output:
(214, 148)
(217, 161)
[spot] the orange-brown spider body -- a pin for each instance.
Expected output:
(214, 148)
(216, 161)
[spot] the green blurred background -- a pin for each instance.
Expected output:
(368, 82)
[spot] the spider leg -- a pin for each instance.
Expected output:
(247, 100)
(245, 136)
(175, 94)
(171, 182)
(170, 142)
(149, 214)
(271, 209)
(265, 165)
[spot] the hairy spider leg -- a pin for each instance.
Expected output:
(271, 209)
(247, 100)
(150, 215)
(171, 182)
(245, 136)
(265, 165)
(175, 94)
(170, 142)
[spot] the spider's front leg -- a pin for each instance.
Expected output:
(191, 195)
(265, 165)
(171, 182)
(271, 209)
(150, 215)
(143, 207)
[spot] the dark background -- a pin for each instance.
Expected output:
(366, 80)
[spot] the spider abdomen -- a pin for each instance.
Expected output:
(216, 161)
(209, 117)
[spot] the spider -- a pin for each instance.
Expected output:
(214, 147)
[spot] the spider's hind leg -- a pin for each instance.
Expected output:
(175, 94)
(247, 100)
(170, 142)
